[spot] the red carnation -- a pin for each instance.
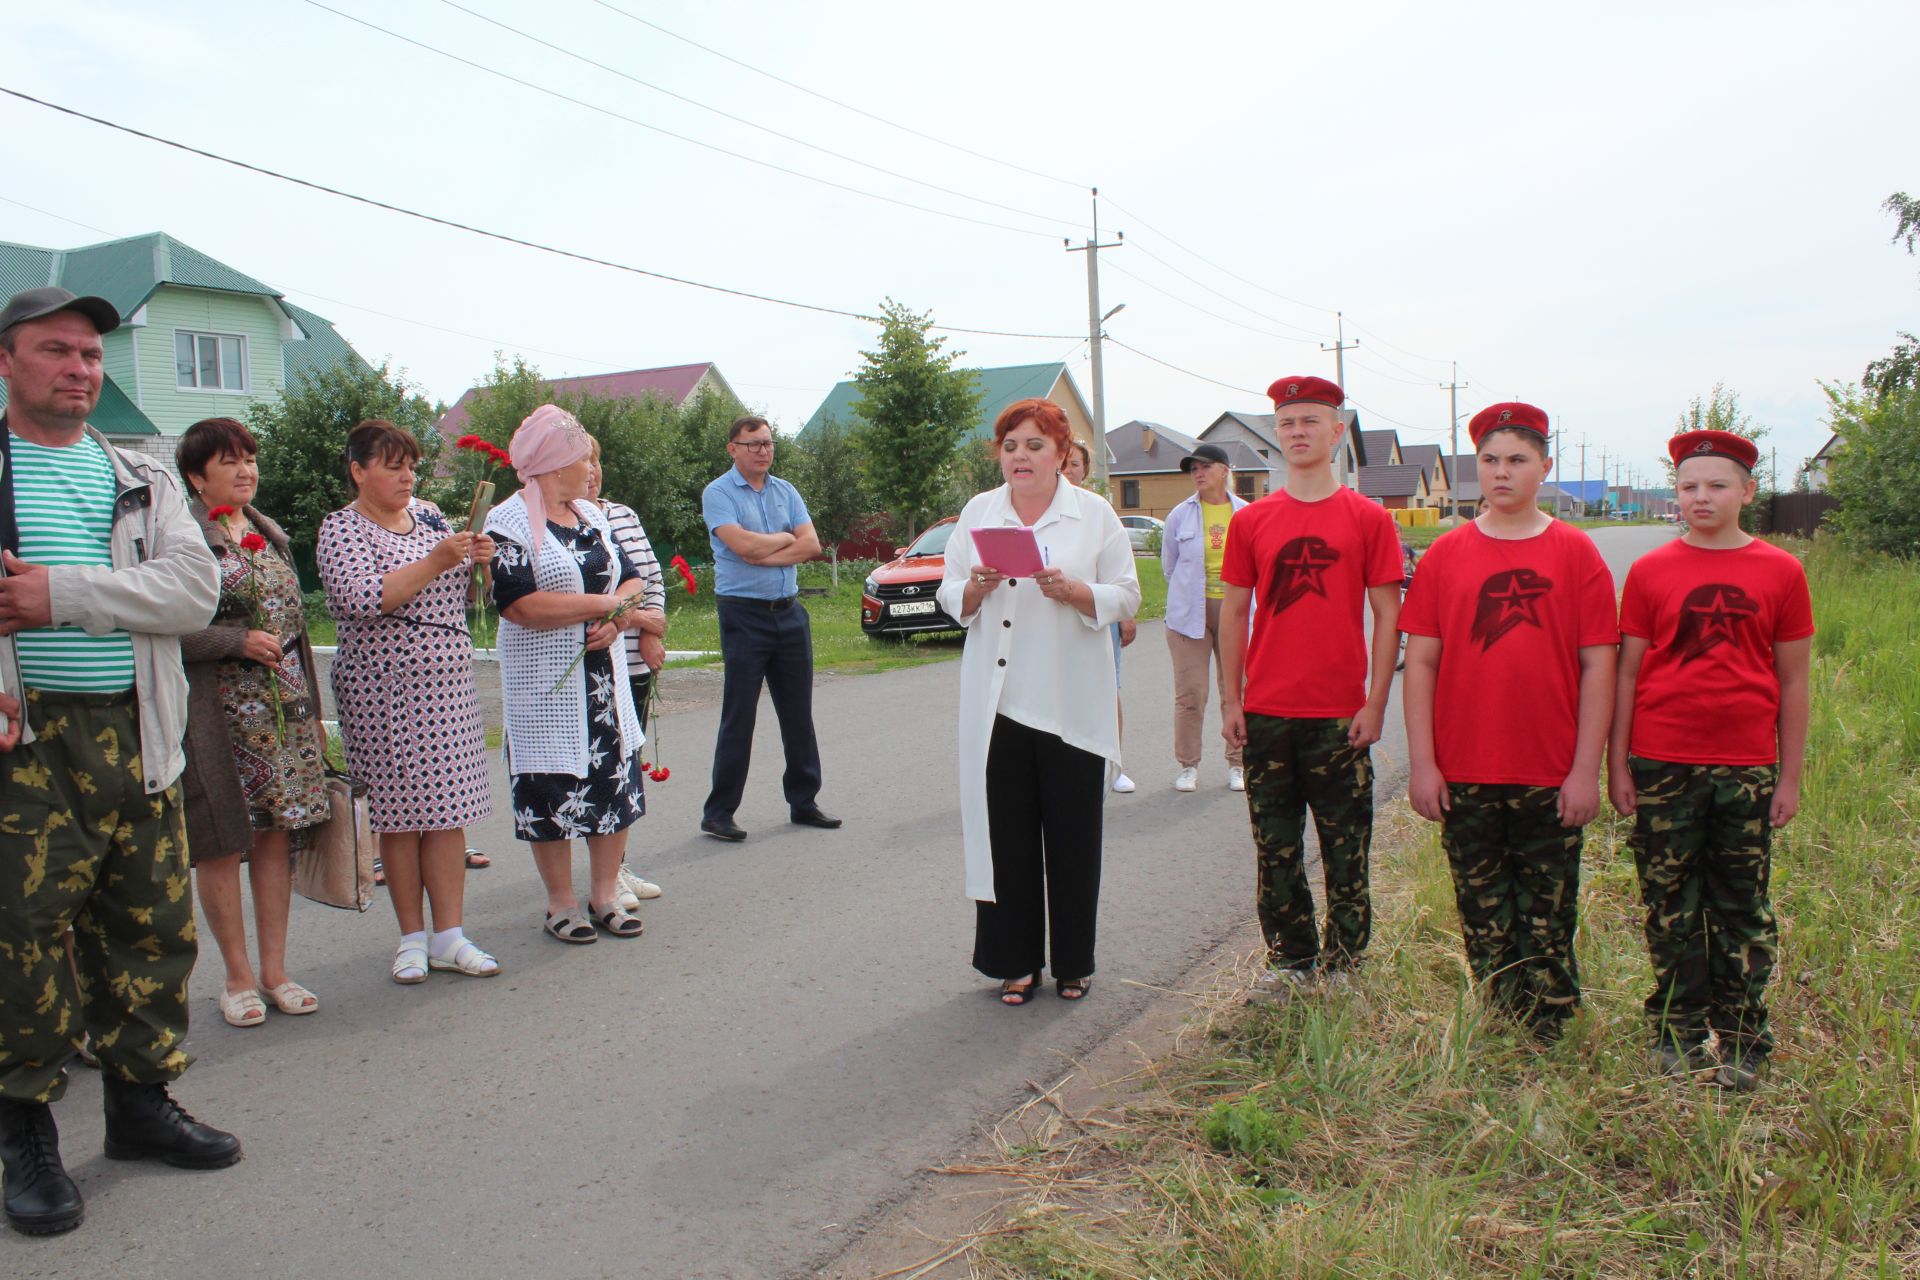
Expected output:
(253, 542)
(219, 513)
(661, 774)
(502, 457)
(680, 564)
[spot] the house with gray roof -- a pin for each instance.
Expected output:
(197, 339)
(1255, 431)
(1432, 460)
(1143, 461)
(1395, 486)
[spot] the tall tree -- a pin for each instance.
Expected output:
(914, 410)
(1721, 411)
(826, 467)
(1875, 472)
(1899, 369)
(303, 440)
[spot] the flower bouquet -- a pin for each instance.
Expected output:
(249, 549)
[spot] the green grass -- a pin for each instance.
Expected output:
(838, 642)
(1399, 1131)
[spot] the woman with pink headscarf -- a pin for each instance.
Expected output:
(565, 593)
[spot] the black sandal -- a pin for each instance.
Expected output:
(1013, 997)
(1078, 986)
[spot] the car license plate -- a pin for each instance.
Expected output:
(912, 607)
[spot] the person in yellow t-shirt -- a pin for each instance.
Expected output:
(1192, 549)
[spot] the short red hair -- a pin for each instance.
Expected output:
(1049, 417)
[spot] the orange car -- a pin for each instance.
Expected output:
(897, 598)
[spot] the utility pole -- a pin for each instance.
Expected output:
(1603, 482)
(1092, 249)
(1340, 348)
(1583, 476)
(1452, 386)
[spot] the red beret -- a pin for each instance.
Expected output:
(1713, 444)
(1305, 387)
(1505, 417)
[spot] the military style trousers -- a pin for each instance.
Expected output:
(1294, 765)
(1516, 879)
(83, 846)
(1703, 845)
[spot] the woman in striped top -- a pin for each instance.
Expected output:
(646, 647)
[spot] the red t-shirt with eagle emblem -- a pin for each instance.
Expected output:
(1309, 565)
(1511, 616)
(1708, 692)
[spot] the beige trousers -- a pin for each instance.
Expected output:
(1191, 660)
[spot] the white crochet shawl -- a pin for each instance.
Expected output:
(546, 732)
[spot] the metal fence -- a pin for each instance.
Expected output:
(1796, 514)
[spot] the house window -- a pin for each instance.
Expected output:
(209, 361)
(1129, 493)
(1244, 482)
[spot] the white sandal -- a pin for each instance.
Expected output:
(243, 1008)
(410, 963)
(468, 959)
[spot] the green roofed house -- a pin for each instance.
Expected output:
(197, 338)
(998, 388)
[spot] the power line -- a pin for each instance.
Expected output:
(501, 236)
(751, 124)
(844, 106)
(1405, 426)
(1216, 266)
(654, 128)
(1194, 306)
(1177, 369)
(1316, 335)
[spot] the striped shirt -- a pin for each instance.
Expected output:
(633, 544)
(63, 502)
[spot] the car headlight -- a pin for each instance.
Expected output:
(871, 587)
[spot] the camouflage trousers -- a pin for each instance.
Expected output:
(1702, 842)
(84, 847)
(1516, 878)
(1293, 765)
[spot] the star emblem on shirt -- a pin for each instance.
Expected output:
(1300, 570)
(1709, 617)
(1507, 600)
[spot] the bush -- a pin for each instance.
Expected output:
(1875, 472)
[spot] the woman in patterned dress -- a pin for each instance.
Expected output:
(253, 779)
(397, 579)
(573, 741)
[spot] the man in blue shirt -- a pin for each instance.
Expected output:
(760, 529)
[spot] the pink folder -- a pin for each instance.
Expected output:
(1011, 550)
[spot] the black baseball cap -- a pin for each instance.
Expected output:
(1205, 453)
(33, 304)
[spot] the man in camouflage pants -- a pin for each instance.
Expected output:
(1291, 765)
(103, 569)
(1516, 878)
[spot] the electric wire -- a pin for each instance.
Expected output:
(1194, 306)
(751, 124)
(1178, 369)
(610, 113)
(501, 236)
(844, 106)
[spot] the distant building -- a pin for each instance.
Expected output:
(1432, 461)
(1382, 447)
(675, 384)
(197, 338)
(1143, 461)
(1397, 487)
(1815, 468)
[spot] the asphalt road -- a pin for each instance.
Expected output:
(797, 1034)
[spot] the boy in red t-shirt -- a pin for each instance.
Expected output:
(1709, 727)
(1510, 655)
(1296, 697)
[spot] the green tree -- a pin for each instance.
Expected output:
(1721, 411)
(976, 469)
(826, 467)
(1875, 471)
(914, 410)
(1900, 368)
(303, 441)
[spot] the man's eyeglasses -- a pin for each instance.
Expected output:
(755, 445)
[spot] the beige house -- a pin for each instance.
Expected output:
(1144, 475)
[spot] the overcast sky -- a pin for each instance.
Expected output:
(1602, 215)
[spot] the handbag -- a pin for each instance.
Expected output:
(334, 865)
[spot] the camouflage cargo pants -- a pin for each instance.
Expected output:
(1702, 842)
(83, 846)
(1293, 765)
(1516, 878)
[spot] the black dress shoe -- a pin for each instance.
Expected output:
(40, 1198)
(143, 1120)
(723, 829)
(812, 816)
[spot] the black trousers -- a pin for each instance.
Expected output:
(1043, 817)
(760, 645)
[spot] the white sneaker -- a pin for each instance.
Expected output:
(1236, 778)
(1277, 986)
(1189, 780)
(633, 889)
(1123, 785)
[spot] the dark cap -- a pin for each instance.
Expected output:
(35, 304)
(1205, 453)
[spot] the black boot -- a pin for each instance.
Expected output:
(41, 1198)
(144, 1120)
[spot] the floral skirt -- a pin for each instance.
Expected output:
(613, 795)
(282, 776)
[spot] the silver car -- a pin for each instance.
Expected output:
(1143, 532)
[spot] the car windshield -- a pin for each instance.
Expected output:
(933, 542)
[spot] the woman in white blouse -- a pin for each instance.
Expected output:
(573, 741)
(1039, 729)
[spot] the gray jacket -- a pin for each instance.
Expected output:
(163, 583)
